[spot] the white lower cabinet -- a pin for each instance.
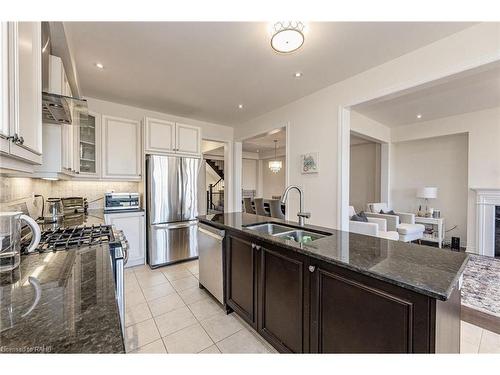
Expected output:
(133, 226)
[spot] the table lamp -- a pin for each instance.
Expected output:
(427, 193)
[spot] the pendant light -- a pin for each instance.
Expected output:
(275, 165)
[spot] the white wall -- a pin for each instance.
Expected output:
(439, 162)
(210, 131)
(249, 174)
(370, 128)
(364, 176)
(483, 129)
(313, 120)
(273, 183)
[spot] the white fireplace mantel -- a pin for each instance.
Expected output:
(486, 200)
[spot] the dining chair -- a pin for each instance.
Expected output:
(259, 207)
(275, 207)
(248, 205)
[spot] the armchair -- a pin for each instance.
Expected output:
(403, 223)
(376, 227)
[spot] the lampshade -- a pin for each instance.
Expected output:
(427, 193)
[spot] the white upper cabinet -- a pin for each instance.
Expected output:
(171, 138)
(188, 139)
(159, 135)
(90, 146)
(4, 85)
(121, 148)
(21, 109)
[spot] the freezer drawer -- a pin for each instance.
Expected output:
(210, 246)
(171, 243)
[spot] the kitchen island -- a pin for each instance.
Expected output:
(339, 292)
(61, 301)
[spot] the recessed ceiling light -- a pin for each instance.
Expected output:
(298, 75)
(419, 116)
(288, 36)
(240, 106)
(99, 65)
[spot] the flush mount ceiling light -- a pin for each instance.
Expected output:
(288, 36)
(275, 165)
(99, 65)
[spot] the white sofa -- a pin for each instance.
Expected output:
(403, 223)
(376, 227)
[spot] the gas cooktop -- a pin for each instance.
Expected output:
(75, 237)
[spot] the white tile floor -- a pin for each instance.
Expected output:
(166, 312)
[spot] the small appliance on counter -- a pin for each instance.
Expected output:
(11, 236)
(54, 210)
(74, 206)
(121, 201)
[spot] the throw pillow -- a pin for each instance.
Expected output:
(391, 212)
(363, 216)
(359, 218)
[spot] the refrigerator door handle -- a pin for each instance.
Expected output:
(183, 224)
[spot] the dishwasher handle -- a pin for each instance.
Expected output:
(211, 231)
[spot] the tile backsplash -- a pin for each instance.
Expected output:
(15, 190)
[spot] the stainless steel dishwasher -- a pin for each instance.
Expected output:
(210, 246)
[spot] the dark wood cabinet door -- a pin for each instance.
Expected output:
(283, 300)
(241, 281)
(349, 316)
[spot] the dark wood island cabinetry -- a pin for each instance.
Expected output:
(303, 301)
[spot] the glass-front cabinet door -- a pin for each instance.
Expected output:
(89, 146)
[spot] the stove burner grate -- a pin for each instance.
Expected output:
(79, 236)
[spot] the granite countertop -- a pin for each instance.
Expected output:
(427, 270)
(77, 310)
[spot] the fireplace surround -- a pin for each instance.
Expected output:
(487, 225)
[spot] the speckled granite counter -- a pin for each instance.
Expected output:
(76, 311)
(427, 270)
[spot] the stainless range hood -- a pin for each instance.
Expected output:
(65, 110)
(56, 108)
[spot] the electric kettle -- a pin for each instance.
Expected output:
(11, 237)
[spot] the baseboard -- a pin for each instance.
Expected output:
(471, 250)
(480, 319)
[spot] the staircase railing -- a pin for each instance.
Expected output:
(215, 196)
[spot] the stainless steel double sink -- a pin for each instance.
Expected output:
(287, 232)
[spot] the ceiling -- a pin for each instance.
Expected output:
(203, 70)
(265, 142)
(207, 146)
(471, 91)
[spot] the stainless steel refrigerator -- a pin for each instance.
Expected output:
(172, 208)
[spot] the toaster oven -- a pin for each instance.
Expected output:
(121, 201)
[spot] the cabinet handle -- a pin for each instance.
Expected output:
(21, 140)
(312, 268)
